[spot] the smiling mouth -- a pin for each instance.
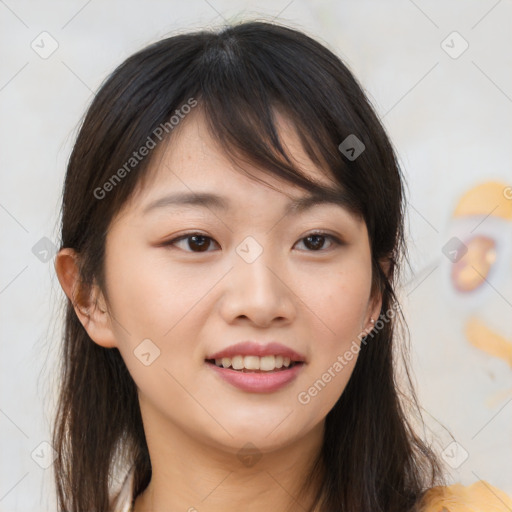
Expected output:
(228, 363)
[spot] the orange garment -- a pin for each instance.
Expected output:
(477, 497)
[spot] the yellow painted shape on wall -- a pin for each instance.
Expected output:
(492, 198)
(484, 338)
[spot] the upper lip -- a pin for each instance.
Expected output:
(252, 348)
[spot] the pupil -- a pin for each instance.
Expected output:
(318, 238)
(202, 246)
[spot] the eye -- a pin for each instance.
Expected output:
(315, 240)
(197, 242)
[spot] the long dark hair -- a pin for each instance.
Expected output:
(239, 76)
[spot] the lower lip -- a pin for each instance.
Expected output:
(257, 382)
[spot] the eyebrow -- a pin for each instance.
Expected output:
(213, 201)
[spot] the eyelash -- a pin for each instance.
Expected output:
(334, 239)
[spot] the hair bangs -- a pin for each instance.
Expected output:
(241, 102)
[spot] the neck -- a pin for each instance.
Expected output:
(190, 475)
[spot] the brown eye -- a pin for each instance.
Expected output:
(314, 242)
(197, 242)
(200, 242)
(472, 269)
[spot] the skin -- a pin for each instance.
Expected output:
(191, 304)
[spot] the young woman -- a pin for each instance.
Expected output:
(232, 230)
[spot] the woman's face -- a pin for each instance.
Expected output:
(253, 275)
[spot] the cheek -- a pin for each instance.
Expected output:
(149, 295)
(340, 306)
(155, 309)
(339, 300)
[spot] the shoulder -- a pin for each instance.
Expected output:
(477, 497)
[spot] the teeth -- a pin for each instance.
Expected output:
(237, 362)
(251, 362)
(265, 363)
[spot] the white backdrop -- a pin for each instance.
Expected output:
(445, 99)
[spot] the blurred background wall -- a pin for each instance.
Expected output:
(439, 74)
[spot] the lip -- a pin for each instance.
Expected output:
(255, 382)
(252, 348)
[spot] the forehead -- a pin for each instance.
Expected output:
(190, 172)
(192, 157)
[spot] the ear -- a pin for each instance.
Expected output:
(90, 307)
(374, 308)
(375, 304)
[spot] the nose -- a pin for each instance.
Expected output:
(259, 291)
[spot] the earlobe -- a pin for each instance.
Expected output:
(374, 316)
(376, 312)
(90, 307)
